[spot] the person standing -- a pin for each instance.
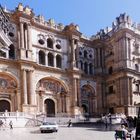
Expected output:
(106, 121)
(110, 119)
(1, 124)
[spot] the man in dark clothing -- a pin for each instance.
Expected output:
(69, 123)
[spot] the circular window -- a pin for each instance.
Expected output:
(58, 46)
(11, 34)
(41, 41)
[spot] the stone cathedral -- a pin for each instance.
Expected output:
(54, 69)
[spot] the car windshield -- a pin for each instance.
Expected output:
(48, 123)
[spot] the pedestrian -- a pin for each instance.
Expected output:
(1, 123)
(11, 124)
(124, 122)
(110, 119)
(125, 135)
(69, 123)
(106, 121)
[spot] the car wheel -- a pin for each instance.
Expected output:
(42, 131)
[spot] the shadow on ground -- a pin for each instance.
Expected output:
(38, 132)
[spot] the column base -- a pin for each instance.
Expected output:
(32, 109)
(29, 54)
(22, 53)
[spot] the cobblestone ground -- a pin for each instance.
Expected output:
(64, 133)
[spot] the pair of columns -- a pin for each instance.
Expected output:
(25, 36)
(28, 92)
(76, 92)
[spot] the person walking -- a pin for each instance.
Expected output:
(11, 124)
(69, 123)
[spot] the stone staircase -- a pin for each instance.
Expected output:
(21, 119)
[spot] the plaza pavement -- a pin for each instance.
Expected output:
(64, 133)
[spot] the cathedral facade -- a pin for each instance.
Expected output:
(54, 69)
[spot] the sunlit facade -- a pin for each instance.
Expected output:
(54, 69)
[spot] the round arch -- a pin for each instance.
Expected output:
(10, 75)
(88, 100)
(8, 88)
(5, 105)
(50, 88)
(54, 79)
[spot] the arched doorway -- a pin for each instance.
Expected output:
(52, 96)
(85, 108)
(50, 108)
(4, 105)
(8, 90)
(88, 99)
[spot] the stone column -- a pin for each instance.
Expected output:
(74, 92)
(30, 87)
(99, 55)
(68, 104)
(88, 68)
(73, 54)
(78, 93)
(46, 59)
(29, 37)
(21, 35)
(73, 50)
(24, 87)
(41, 105)
(26, 41)
(18, 100)
(62, 99)
(55, 60)
(60, 104)
(96, 57)
(19, 40)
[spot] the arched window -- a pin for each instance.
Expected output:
(110, 70)
(90, 68)
(58, 61)
(50, 59)
(25, 34)
(137, 88)
(86, 67)
(12, 52)
(85, 54)
(81, 65)
(41, 57)
(49, 43)
(136, 67)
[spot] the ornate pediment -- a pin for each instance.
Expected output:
(74, 29)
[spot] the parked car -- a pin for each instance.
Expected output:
(49, 127)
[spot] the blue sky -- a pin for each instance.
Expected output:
(90, 15)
